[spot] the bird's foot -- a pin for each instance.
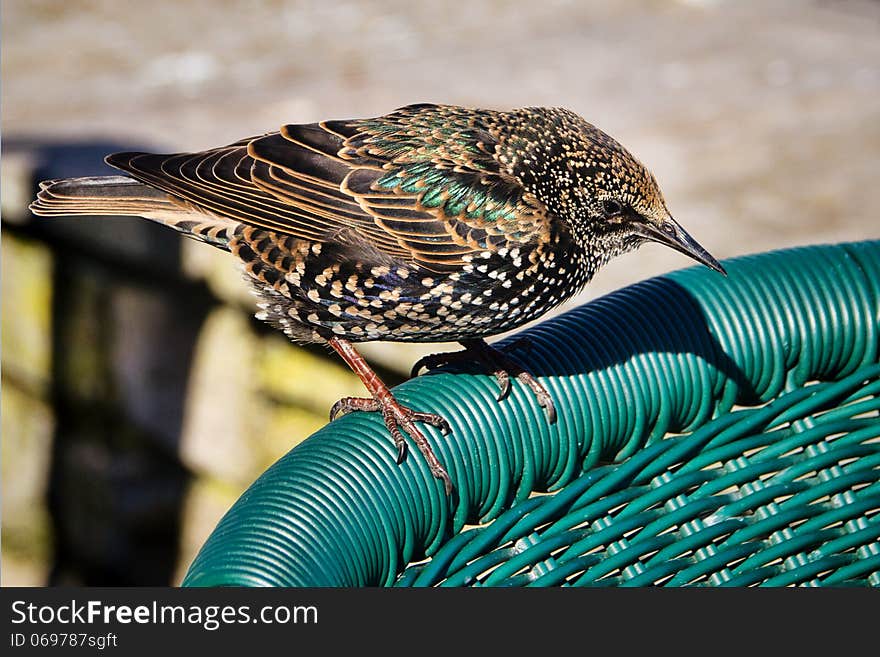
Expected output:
(499, 363)
(397, 417)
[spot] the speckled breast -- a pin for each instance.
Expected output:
(314, 291)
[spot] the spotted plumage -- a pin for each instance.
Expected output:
(432, 223)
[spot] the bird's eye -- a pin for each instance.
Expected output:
(611, 207)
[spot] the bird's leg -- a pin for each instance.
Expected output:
(499, 363)
(395, 415)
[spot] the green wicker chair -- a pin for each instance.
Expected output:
(711, 431)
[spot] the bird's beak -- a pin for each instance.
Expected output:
(673, 235)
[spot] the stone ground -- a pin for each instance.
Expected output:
(761, 120)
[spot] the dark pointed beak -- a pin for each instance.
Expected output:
(671, 234)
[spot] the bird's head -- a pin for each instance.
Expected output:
(583, 175)
(627, 209)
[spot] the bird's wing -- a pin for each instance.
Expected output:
(419, 184)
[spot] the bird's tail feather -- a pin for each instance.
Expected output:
(100, 195)
(125, 197)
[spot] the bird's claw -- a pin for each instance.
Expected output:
(434, 420)
(430, 362)
(503, 379)
(396, 417)
(501, 365)
(348, 404)
(545, 401)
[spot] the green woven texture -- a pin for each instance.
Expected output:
(711, 431)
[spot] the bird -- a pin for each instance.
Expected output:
(432, 223)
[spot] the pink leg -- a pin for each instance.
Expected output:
(395, 415)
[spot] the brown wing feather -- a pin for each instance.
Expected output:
(389, 182)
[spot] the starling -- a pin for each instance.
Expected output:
(433, 223)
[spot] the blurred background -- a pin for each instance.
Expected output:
(139, 396)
